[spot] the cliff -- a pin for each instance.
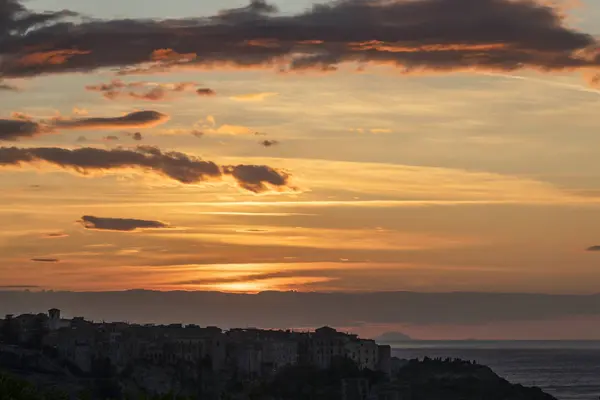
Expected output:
(429, 379)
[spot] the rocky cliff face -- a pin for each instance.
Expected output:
(415, 380)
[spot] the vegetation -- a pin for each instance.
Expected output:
(15, 389)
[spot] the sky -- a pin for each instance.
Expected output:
(353, 146)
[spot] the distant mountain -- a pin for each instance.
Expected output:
(393, 337)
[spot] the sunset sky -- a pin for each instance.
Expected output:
(366, 145)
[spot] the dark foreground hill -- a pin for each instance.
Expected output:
(459, 380)
(39, 379)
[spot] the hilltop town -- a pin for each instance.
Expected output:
(246, 353)
(110, 360)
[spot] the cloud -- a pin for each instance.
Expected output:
(154, 94)
(209, 127)
(45, 260)
(15, 129)
(372, 130)
(594, 248)
(23, 126)
(47, 58)
(18, 287)
(414, 36)
(80, 111)
(148, 91)
(176, 166)
(381, 130)
(111, 138)
(119, 224)
(8, 88)
(206, 92)
(253, 96)
(137, 136)
(259, 178)
(231, 130)
(138, 119)
(56, 235)
(269, 143)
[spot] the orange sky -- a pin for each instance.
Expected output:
(460, 179)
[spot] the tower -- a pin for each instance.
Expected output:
(54, 322)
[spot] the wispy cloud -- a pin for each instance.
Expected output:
(149, 91)
(254, 96)
(8, 88)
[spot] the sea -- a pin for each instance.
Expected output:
(567, 370)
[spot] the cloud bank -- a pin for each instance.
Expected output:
(413, 35)
(176, 166)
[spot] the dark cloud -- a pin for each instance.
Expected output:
(594, 248)
(197, 133)
(111, 138)
(138, 119)
(15, 19)
(258, 178)
(45, 260)
(137, 136)
(23, 126)
(15, 129)
(177, 166)
(415, 35)
(205, 92)
(269, 143)
(8, 88)
(119, 224)
(56, 235)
